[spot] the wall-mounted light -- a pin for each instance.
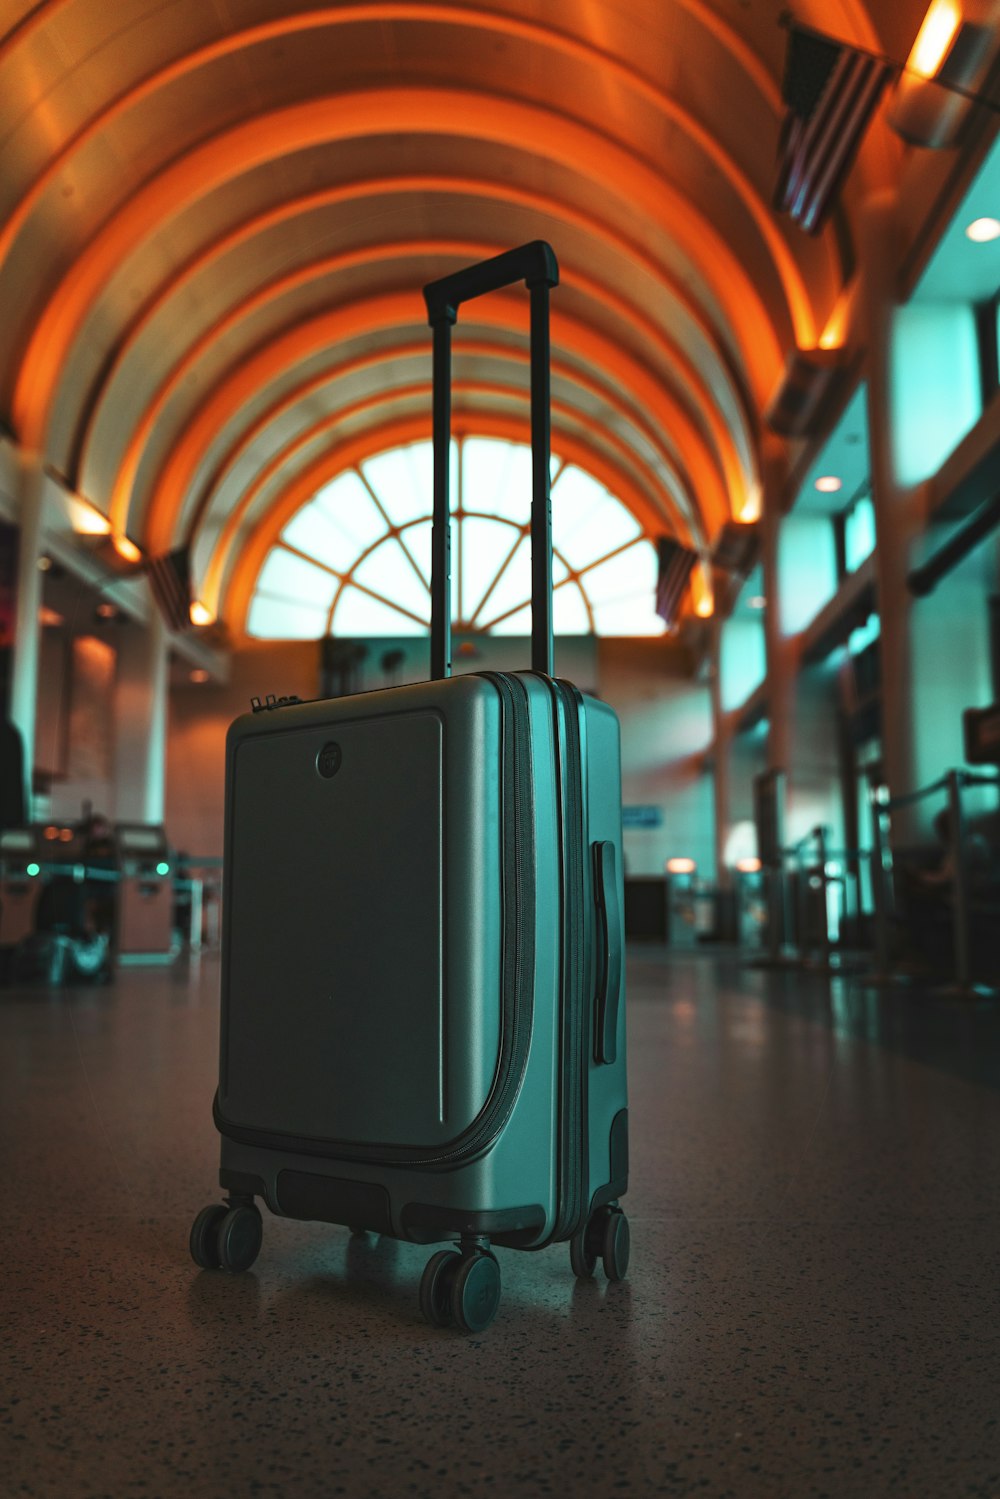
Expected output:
(981, 231)
(807, 388)
(126, 549)
(828, 484)
(201, 614)
(748, 866)
(681, 866)
(933, 97)
(198, 675)
(934, 39)
(85, 518)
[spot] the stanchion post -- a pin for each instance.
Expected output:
(960, 915)
(879, 880)
(820, 835)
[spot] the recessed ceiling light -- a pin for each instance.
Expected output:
(681, 866)
(828, 484)
(980, 231)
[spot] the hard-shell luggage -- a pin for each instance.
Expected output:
(423, 1020)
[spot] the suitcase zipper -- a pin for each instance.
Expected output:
(573, 1111)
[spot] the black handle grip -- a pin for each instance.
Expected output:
(609, 961)
(534, 263)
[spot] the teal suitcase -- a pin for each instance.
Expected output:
(423, 1019)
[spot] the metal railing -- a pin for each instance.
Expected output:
(953, 783)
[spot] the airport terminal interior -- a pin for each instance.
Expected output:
(774, 485)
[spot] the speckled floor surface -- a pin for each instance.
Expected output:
(812, 1308)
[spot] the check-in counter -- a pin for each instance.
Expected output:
(20, 883)
(144, 925)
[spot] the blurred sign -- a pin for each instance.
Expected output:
(982, 735)
(642, 817)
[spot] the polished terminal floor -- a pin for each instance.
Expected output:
(812, 1307)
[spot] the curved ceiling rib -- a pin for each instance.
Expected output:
(242, 236)
(173, 485)
(518, 28)
(736, 480)
(675, 480)
(236, 311)
(393, 110)
(580, 450)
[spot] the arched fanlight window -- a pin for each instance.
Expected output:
(355, 560)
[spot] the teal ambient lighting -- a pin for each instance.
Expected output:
(162, 868)
(34, 869)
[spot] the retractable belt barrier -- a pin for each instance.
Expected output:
(818, 870)
(953, 783)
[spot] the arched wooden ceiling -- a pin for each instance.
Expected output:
(216, 220)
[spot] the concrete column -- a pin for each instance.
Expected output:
(895, 506)
(141, 722)
(27, 632)
(721, 771)
(779, 649)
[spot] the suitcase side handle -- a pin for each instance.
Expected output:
(609, 958)
(535, 264)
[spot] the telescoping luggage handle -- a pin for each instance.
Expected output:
(536, 265)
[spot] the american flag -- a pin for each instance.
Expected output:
(170, 579)
(676, 562)
(831, 91)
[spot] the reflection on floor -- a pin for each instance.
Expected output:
(811, 1310)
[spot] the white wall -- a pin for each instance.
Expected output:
(666, 720)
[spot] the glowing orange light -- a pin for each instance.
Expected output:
(748, 866)
(86, 519)
(65, 835)
(127, 549)
(934, 38)
(200, 613)
(750, 509)
(51, 832)
(199, 675)
(681, 866)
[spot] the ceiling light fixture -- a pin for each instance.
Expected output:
(681, 866)
(828, 484)
(981, 231)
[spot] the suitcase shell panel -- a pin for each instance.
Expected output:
(375, 1019)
